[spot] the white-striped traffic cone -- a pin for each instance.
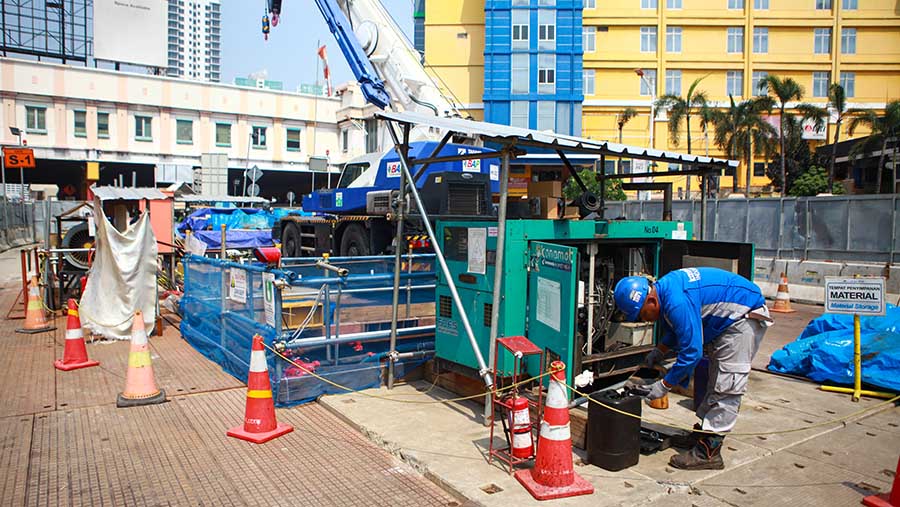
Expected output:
(782, 298)
(553, 475)
(259, 417)
(75, 353)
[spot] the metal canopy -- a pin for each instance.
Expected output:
(539, 142)
(127, 193)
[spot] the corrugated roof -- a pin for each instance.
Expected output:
(219, 198)
(127, 193)
(535, 141)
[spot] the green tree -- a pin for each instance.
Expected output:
(812, 182)
(741, 131)
(682, 108)
(798, 156)
(882, 127)
(837, 103)
(622, 119)
(785, 90)
(614, 190)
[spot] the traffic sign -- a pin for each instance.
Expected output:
(253, 174)
(16, 158)
(857, 296)
(253, 190)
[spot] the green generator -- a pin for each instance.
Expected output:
(558, 280)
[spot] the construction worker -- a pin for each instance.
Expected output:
(705, 311)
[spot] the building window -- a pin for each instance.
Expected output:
(80, 123)
(822, 41)
(673, 82)
(520, 73)
(673, 4)
(36, 119)
(521, 2)
(759, 169)
(735, 4)
(823, 5)
(345, 140)
(518, 114)
(589, 39)
(587, 78)
(649, 4)
(848, 82)
(820, 84)
(734, 83)
(760, 40)
(761, 5)
(184, 131)
(673, 39)
(143, 128)
(649, 77)
(258, 136)
(102, 125)
(223, 134)
(648, 39)
(546, 73)
(546, 115)
(848, 41)
(735, 39)
(590, 4)
(546, 29)
(293, 140)
(850, 5)
(757, 88)
(520, 28)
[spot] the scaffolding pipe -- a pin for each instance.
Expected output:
(366, 336)
(498, 267)
(398, 253)
(483, 371)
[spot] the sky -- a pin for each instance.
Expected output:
(290, 53)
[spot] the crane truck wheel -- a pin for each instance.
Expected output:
(355, 241)
(290, 241)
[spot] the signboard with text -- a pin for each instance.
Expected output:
(859, 296)
(15, 158)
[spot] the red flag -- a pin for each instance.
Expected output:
(326, 70)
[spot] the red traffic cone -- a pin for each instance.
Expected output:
(782, 298)
(553, 475)
(891, 499)
(75, 354)
(259, 425)
(35, 318)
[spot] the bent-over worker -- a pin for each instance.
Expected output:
(705, 311)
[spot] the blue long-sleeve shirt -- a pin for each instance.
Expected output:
(697, 305)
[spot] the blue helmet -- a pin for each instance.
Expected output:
(630, 294)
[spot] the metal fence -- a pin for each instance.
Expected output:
(863, 228)
(17, 224)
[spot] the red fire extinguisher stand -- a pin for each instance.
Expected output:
(510, 404)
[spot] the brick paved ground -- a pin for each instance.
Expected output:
(63, 442)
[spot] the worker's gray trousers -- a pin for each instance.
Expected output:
(729, 370)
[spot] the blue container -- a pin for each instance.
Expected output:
(701, 379)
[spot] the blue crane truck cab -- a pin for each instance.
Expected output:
(355, 217)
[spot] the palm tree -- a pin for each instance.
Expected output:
(785, 90)
(707, 116)
(837, 102)
(741, 131)
(882, 127)
(682, 108)
(621, 120)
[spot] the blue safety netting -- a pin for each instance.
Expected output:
(824, 351)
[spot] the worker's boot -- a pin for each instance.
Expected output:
(689, 440)
(706, 455)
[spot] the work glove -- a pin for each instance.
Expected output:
(653, 358)
(657, 390)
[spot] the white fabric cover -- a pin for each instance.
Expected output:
(122, 278)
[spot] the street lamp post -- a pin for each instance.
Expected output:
(652, 87)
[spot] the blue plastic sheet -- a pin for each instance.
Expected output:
(824, 351)
(235, 238)
(233, 218)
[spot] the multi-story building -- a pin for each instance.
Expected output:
(155, 129)
(730, 44)
(195, 45)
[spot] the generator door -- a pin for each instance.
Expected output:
(734, 257)
(552, 282)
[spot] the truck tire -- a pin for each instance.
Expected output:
(355, 241)
(290, 241)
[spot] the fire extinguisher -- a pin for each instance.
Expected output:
(520, 427)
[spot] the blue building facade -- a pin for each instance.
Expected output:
(533, 64)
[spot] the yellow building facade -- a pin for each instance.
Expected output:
(730, 44)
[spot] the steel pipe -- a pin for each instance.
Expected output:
(360, 337)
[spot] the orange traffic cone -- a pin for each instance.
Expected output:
(35, 318)
(75, 354)
(782, 298)
(259, 417)
(140, 386)
(553, 475)
(891, 499)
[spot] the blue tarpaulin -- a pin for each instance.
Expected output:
(824, 351)
(236, 238)
(233, 218)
